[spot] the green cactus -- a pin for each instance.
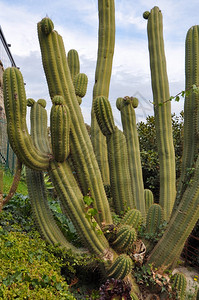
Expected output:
(180, 284)
(121, 267)
(73, 62)
(154, 218)
(132, 217)
(106, 44)
(149, 199)
(126, 106)
(134, 296)
(117, 156)
(60, 83)
(162, 111)
(125, 237)
(191, 110)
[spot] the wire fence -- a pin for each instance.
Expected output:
(7, 156)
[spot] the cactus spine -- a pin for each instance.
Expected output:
(106, 44)
(162, 111)
(126, 106)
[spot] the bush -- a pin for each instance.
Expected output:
(28, 270)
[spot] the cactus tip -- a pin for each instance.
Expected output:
(47, 25)
(42, 102)
(146, 15)
(30, 102)
(58, 100)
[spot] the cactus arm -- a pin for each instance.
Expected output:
(170, 246)
(15, 106)
(117, 156)
(73, 62)
(106, 44)
(60, 129)
(191, 108)
(163, 123)
(42, 214)
(38, 121)
(72, 201)
(126, 106)
(60, 83)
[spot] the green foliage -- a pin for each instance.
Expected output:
(28, 269)
(149, 153)
(7, 182)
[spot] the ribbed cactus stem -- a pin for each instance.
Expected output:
(125, 237)
(126, 106)
(132, 217)
(162, 111)
(170, 246)
(60, 129)
(121, 267)
(154, 218)
(73, 62)
(191, 109)
(38, 121)
(149, 199)
(15, 106)
(180, 284)
(60, 83)
(72, 201)
(106, 44)
(117, 156)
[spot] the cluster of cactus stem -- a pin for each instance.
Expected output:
(78, 164)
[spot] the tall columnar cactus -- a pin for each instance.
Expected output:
(60, 83)
(106, 44)
(191, 110)
(73, 62)
(117, 156)
(162, 110)
(126, 106)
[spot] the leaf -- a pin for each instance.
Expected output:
(92, 212)
(177, 98)
(88, 200)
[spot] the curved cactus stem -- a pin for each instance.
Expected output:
(43, 215)
(162, 111)
(191, 110)
(60, 83)
(106, 44)
(130, 131)
(72, 201)
(170, 246)
(15, 106)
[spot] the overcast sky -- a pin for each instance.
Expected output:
(77, 22)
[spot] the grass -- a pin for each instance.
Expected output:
(7, 182)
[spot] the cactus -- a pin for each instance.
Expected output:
(154, 218)
(149, 199)
(191, 110)
(121, 267)
(126, 106)
(132, 217)
(73, 62)
(117, 156)
(180, 284)
(162, 111)
(125, 237)
(106, 44)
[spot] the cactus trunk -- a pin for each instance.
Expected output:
(162, 110)
(106, 44)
